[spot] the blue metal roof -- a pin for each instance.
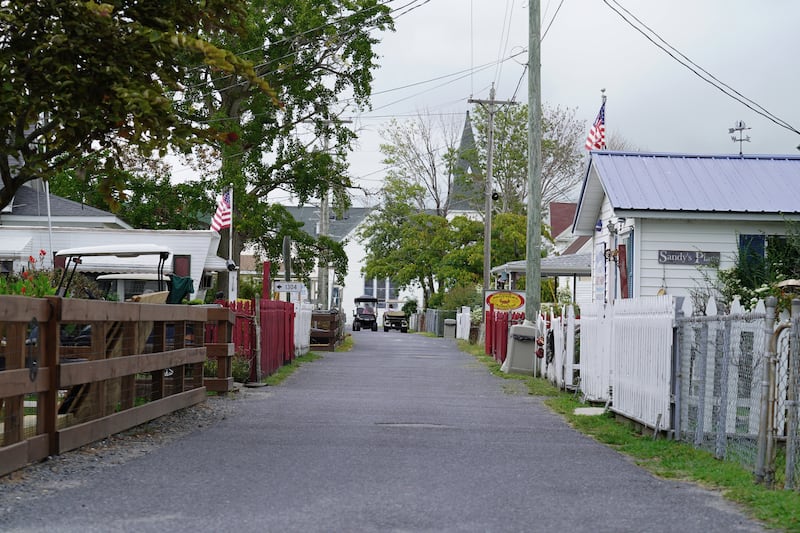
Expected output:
(700, 183)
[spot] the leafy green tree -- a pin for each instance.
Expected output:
(313, 53)
(83, 76)
(140, 200)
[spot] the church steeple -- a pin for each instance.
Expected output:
(465, 194)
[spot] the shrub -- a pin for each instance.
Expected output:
(240, 369)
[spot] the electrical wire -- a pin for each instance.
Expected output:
(505, 34)
(410, 5)
(695, 69)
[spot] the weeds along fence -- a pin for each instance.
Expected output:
(75, 371)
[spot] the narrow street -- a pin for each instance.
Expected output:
(403, 433)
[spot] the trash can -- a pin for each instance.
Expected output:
(449, 328)
(521, 349)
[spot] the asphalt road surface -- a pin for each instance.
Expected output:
(403, 433)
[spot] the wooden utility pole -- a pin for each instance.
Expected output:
(490, 106)
(324, 229)
(533, 263)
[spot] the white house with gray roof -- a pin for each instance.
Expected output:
(657, 219)
(24, 231)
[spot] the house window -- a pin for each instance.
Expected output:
(6, 266)
(382, 289)
(752, 262)
(369, 286)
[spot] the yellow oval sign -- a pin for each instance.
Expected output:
(505, 301)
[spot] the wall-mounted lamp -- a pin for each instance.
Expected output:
(615, 225)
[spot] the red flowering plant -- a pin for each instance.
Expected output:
(33, 281)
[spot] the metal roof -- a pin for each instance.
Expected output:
(687, 183)
(557, 265)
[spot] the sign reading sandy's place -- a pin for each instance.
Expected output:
(687, 257)
(505, 300)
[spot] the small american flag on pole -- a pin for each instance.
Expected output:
(222, 218)
(597, 134)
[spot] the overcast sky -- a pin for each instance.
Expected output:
(653, 102)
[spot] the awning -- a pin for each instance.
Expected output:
(16, 247)
(215, 263)
(558, 265)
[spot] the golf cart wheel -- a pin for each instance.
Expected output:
(403, 330)
(375, 326)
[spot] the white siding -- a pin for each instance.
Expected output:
(688, 235)
(198, 244)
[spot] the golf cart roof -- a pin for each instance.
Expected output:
(366, 298)
(116, 250)
(129, 276)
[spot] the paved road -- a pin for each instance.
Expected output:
(404, 433)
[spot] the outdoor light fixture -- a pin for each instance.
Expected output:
(615, 226)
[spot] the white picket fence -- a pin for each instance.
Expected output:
(463, 321)
(302, 328)
(626, 356)
(559, 364)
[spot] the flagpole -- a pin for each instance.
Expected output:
(232, 279)
(230, 229)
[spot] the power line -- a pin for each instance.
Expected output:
(697, 69)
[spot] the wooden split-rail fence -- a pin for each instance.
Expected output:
(76, 371)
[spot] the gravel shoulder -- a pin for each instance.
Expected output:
(69, 469)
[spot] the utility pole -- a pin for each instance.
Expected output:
(490, 106)
(324, 230)
(533, 263)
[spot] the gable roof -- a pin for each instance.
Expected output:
(561, 216)
(338, 228)
(676, 185)
(30, 204)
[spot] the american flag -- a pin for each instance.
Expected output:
(597, 134)
(222, 218)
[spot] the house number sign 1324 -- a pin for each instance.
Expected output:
(679, 257)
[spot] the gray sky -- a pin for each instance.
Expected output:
(653, 102)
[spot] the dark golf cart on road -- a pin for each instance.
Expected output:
(365, 315)
(395, 319)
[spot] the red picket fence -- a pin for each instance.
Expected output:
(277, 334)
(497, 326)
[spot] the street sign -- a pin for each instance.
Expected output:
(287, 286)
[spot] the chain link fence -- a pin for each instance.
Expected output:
(732, 369)
(721, 364)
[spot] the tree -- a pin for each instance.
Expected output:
(146, 200)
(83, 76)
(311, 52)
(562, 155)
(423, 151)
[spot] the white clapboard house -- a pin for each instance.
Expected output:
(660, 222)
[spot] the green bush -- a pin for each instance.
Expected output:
(240, 369)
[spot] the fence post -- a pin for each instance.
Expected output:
(677, 376)
(765, 422)
(722, 417)
(702, 361)
(792, 404)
